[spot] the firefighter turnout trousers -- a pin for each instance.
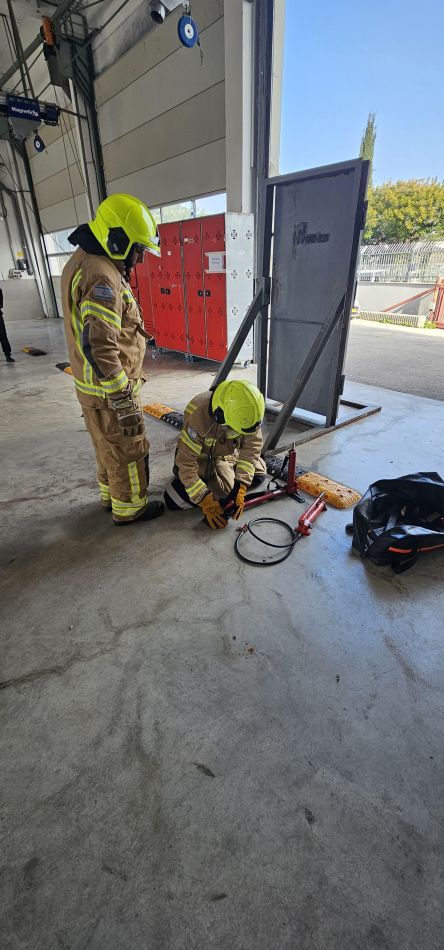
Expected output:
(122, 464)
(220, 484)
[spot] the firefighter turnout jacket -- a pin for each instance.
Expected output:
(203, 441)
(104, 329)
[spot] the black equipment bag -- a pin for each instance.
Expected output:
(399, 518)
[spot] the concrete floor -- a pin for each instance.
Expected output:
(197, 754)
(400, 358)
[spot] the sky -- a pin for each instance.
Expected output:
(344, 59)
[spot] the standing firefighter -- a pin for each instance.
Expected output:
(106, 345)
(218, 450)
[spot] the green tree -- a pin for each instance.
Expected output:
(405, 211)
(368, 142)
(176, 212)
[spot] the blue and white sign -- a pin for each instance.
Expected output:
(21, 108)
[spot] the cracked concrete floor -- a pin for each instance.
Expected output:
(196, 754)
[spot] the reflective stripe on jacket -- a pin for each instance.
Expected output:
(202, 440)
(104, 328)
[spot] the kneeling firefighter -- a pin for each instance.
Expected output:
(106, 345)
(218, 453)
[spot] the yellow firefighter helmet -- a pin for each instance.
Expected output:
(122, 221)
(239, 404)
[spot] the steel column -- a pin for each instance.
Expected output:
(24, 157)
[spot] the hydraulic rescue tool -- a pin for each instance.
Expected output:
(302, 529)
(290, 489)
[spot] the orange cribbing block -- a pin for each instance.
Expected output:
(339, 496)
(157, 410)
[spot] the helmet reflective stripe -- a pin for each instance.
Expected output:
(241, 402)
(122, 221)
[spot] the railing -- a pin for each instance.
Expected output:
(418, 263)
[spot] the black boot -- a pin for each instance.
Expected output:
(154, 509)
(10, 359)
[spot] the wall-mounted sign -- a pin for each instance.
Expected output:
(21, 108)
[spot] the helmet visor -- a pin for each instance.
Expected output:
(153, 247)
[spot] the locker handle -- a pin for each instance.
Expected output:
(165, 290)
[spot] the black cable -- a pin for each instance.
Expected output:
(23, 192)
(67, 131)
(10, 91)
(285, 548)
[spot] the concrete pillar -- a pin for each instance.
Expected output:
(276, 89)
(240, 100)
(239, 79)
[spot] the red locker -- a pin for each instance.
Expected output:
(172, 306)
(191, 232)
(213, 240)
(145, 302)
(140, 286)
(155, 279)
(133, 282)
(185, 293)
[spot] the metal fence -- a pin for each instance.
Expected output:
(418, 263)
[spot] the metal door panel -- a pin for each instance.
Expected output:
(314, 240)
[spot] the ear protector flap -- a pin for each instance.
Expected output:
(219, 415)
(118, 241)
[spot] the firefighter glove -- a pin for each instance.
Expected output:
(213, 511)
(237, 498)
(129, 416)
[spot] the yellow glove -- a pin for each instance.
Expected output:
(236, 498)
(213, 511)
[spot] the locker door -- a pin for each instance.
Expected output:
(213, 241)
(145, 300)
(158, 312)
(133, 282)
(140, 285)
(193, 277)
(172, 286)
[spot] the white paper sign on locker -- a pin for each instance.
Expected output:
(216, 262)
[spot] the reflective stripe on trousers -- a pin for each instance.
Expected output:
(122, 464)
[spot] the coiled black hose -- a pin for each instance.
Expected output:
(285, 548)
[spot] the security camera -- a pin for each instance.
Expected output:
(160, 9)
